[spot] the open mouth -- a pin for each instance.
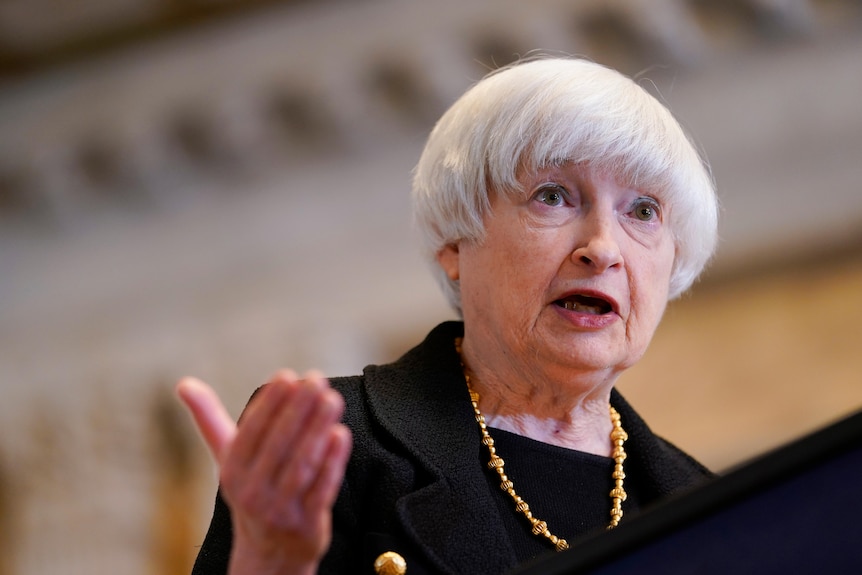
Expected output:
(585, 304)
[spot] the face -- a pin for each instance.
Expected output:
(572, 275)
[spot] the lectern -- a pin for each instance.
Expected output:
(796, 510)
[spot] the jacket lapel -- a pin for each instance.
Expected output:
(423, 402)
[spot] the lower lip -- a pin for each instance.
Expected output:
(587, 320)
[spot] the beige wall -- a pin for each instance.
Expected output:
(751, 363)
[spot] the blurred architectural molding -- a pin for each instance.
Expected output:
(294, 80)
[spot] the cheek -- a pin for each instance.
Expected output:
(509, 281)
(666, 270)
(652, 285)
(531, 269)
(650, 302)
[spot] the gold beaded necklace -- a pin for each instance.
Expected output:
(540, 528)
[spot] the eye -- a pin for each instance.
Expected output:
(552, 196)
(646, 209)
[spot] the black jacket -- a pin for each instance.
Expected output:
(415, 482)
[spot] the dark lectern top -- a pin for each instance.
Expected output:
(796, 510)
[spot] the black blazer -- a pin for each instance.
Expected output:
(415, 484)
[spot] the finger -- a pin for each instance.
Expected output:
(283, 441)
(259, 417)
(321, 495)
(309, 449)
(316, 378)
(283, 375)
(210, 416)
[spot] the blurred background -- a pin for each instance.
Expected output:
(220, 188)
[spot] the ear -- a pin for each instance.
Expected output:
(449, 261)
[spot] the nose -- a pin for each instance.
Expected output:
(598, 247)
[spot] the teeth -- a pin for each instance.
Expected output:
(575, 306)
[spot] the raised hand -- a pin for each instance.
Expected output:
(280, 469)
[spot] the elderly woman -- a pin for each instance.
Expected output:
(562, 207)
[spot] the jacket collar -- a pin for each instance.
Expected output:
(422, 401)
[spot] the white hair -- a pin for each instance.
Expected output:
(550, 111)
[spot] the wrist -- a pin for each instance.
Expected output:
(246, 560)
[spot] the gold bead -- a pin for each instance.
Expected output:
(506, 485)
(539, 527)
(618, 493)
(562, 545)
(522, 506)
(390, 563)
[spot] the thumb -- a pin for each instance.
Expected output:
(210, 416)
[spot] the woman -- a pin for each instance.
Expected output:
(562, 207)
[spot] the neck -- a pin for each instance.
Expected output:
(588, 434)
(568, 409)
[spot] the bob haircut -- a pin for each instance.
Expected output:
(552, 111)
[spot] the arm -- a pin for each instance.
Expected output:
(279, 469)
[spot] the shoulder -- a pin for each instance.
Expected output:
(399, 407)
(430, 371)
(662, 466)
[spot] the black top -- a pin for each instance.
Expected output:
(568, 489)
(416, 481)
